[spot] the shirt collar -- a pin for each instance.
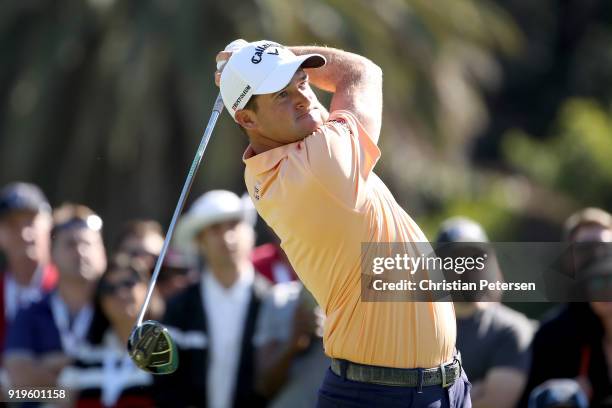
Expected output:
(241, 286)
(264, 161)
(35, 281)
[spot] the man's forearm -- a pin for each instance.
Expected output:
(273, 368)
(342, 68)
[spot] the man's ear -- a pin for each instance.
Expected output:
(246, 118)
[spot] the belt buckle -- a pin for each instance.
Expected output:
(443, 371)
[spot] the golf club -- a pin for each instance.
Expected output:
(150, 345)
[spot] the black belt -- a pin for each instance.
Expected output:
(444, 375)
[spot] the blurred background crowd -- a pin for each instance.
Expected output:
(496, 111)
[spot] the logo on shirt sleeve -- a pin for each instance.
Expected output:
(257, 189)
(342, 124)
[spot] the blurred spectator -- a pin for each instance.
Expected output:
(213, 322)
(589, 231)
(270, 261)
(142, 239)
(102, 373)
(493, 339)
(588, 225)
(575, 340)
(558, 393)
(178, 271)
(46, 332)
(291, 361)
(25, 225)
(580, 333)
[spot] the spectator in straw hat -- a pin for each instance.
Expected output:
(213, 321)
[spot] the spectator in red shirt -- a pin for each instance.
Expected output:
(270, 261)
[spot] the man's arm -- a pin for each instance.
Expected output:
(274, 359)
(25, 371)
(355, 81)
(502, 387)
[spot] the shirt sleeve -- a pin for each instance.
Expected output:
(342, 156)
(512, 352)
(514, 346)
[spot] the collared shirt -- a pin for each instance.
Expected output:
(322, 199)
(34, 332)
(226, 310)
(17, 296)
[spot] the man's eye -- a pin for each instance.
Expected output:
(303, 84)
(283, 94)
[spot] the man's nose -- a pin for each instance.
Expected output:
(230, 236)
(125, 293)
(27, 234)
(302, 99)
(82, 250)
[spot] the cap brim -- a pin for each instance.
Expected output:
(281, 76)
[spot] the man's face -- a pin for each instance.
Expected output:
(25, 235)
(146, 247)
(122, 295)
(591, 240)
(592, 233)
(78, 252)
(226, 242)
(286, 116)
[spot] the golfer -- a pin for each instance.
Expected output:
(309, 172)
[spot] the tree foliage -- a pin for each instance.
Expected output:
(103, 101)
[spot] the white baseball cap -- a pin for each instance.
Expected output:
(260, 67)
(213, 207)
(461, 229)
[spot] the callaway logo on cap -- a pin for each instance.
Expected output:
(258, 68)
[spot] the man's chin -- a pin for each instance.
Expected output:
(311, 125)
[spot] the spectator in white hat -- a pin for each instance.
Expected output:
(213, 322)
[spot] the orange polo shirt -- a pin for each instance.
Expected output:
(322, 199)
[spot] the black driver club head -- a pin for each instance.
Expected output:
(152, 349)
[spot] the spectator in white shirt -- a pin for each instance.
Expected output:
(213, 321)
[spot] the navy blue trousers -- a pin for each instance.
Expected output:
(339, 392)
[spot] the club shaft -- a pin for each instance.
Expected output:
(216, 112)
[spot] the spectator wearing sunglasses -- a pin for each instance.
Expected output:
(44, 335)
(142, 239)
(103, 375)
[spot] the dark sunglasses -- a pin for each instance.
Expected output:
(107, 288)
